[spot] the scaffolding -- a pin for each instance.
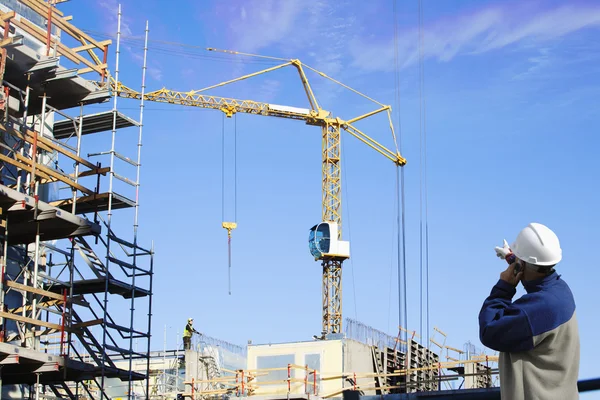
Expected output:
(68, 274)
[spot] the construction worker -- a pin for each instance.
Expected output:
(537, 335)
(187, 334)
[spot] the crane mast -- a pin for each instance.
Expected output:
(325, 240)
(332, 212)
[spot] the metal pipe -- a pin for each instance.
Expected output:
(71, 265)
(588, 385)
(136, 216)
(110, 198)
(62, 325)
(150, 317)
(49, 30)
(35, 276)
(37, 386)
(34, 157)
(22, 151)
(79, 133)
(4, 258)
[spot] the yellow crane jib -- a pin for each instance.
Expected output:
(331, 250)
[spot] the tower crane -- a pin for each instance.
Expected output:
(325, 238)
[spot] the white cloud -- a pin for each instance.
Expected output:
(477, 33)
(261, 23)
(536, 63)
(111, 12)
(110, 9)
(320, 30)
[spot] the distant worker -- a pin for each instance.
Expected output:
(187, 334)
(537, 335)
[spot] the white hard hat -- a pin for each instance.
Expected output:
(190, 319)
(536, 244)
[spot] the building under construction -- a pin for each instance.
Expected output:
(65, 267)
(68, 266)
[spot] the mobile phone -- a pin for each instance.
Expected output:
(518, 268)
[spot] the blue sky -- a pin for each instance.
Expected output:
(512, 102)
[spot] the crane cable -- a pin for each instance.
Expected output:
(400, 196)
(229, 226)
(344, 172)
(423, 191)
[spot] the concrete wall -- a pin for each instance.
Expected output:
(336, 357)
(323, 355)
(358, 359)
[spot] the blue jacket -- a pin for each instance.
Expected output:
(537, 337)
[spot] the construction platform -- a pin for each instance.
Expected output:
(63, 87)
(92, 123)
(89, 286)
(54, 223)
(21, 366)
(94, 203)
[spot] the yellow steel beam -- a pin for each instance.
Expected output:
(372, 143)
(309, 92)
(241, 78)
(367, 115)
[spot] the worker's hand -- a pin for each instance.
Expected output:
(503, 251)
(509, 276)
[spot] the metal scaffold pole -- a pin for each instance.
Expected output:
(150, 314)
(110, 200)
(136, 221)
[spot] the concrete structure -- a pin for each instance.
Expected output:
(328, 357)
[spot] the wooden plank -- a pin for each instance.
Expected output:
(8, 16)
(47, 303)
(31, 321)
(26, 167)
(83, 48)
(88, 69)
(34, 30)
(87, 323)
(40, 35)
(90, 46)
(61, 150)
(19, 135)
(453, 349)
(439, 331)
(59, 21)
(61, 178)
(44, 172)
(73, 31)
(42, 4)
(47, 145)
(267, 369)
(99, 171)
(83, 199)
(64, 50)
(30, 289)
(6, 42)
